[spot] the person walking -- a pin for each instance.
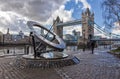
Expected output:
(93, 46)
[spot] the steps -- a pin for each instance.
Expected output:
(46, 63)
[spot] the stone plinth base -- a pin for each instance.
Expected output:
(28, 61)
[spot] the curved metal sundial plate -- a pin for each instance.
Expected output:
(60, 46)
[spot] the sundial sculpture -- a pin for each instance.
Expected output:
(48, 49)
(41, 46)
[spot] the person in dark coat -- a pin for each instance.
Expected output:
(8, 51)
(93, 46)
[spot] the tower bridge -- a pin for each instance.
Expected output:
(69, 23)
(88, 26)
(87, 29)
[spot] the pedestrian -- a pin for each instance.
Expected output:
(7, 51)
(93, 46)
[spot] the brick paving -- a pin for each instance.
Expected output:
(100, 65)
(9, 71)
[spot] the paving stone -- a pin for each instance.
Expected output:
(9, 71)
(100, 65)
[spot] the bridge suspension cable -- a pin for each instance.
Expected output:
(109, 34)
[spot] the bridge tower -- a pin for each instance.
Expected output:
(87, 25)
(58, 30)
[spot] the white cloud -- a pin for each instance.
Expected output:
(69, 29)
(12, 21)
(14, 12)
(85, 3)
(39, 10)
(116, 30)
(64, 15)
(43, 11)
(116, 26)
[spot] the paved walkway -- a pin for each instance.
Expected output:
(99, 65)
(9, 71)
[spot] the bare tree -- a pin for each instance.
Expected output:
(111, 12)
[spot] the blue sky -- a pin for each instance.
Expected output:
(15, 13)
(79, 7)
(95, 7)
